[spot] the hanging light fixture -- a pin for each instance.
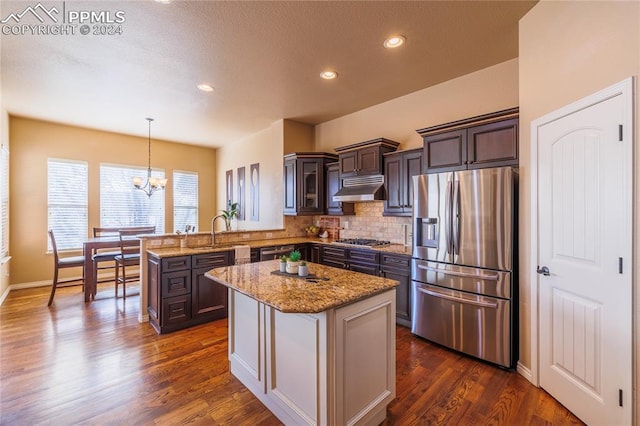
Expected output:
(152, 184)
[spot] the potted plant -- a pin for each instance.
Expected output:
(303, 269)
(230, 213)
(293, 262)
(283, 263)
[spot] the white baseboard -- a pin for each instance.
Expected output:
(526, 373)
(33, 284)
(5, 294)
(19, 286)
(143, 318)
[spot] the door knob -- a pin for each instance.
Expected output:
(544, 271)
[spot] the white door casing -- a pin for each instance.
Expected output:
(582, 211)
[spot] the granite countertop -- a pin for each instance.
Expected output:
(188, 251)
(292, 294)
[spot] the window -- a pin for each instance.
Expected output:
(122, 205)
(67, 202)
(4, 202)
(185, 200)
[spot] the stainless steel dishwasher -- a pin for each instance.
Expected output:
(270, 253)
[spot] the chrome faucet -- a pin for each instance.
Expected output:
(213, 232)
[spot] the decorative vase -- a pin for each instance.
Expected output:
(283, 266)
(303, 270)
(292, 267)
(227, 222)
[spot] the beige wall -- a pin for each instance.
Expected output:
(265, 148)
(297, 137)
(33, 142)
(4, 140)
(568, 50)
(488, 90)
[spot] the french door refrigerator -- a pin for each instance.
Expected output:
(463, 274)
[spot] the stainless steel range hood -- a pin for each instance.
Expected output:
(362, 188)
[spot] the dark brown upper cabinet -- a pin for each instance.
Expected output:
(399, 168)
(333, 185)
(364, 158)
(489, 140)
(304, 182)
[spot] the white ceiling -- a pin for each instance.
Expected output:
(263, 58)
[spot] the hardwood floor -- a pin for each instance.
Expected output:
(95, 364)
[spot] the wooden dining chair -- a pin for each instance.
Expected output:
(129, 255)
(104, 259)
(61, 263)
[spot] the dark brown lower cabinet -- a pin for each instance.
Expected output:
(314, 250)
(398, 267)
(393, 266)
(180, 296)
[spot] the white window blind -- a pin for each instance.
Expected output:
(122, 205)
(67, 202)
(185, 200)
(4, 201)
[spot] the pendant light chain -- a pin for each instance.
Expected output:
(149, 169)
(152, 184)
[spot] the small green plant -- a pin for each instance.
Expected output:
(303, 263)
(283, 259)
(295, 256)
(231, 211)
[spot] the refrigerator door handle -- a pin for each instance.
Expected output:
(447, 217)
(456, 217)
(460, 274)
(466, 301)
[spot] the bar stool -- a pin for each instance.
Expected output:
(64, 262)
(129, 255)
(104, 256)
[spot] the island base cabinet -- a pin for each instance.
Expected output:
(331, 368)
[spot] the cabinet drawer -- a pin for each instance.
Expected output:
(364, 256)
(335, 253)
(176, 310)
(176, 263)
(395, 261)
(364, 268)
(176, 283)
(213, 260)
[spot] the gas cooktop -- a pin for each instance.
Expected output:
(362, 242)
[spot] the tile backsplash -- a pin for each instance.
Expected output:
(369, 222)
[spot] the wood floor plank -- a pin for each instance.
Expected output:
(95, 364)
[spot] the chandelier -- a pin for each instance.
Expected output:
(152, 184)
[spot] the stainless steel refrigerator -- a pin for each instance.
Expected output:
(464, 296)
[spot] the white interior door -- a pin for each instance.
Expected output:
(584, 240)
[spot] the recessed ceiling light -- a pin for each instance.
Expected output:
(205, 87)
(394, 41)
(163, 1)
(328, 74)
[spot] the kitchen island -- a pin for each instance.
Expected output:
(317, 350)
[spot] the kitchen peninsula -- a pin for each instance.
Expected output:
(318, 350)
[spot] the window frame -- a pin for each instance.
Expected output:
(178, 207)
(137, 199)
(66, 240)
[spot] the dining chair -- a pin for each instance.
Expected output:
(61, 263)
(129, 255)
(100, 257)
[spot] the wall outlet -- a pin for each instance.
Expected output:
(269, 235)
(345, 225)
(245, 236)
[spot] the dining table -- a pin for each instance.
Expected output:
(90, 272)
